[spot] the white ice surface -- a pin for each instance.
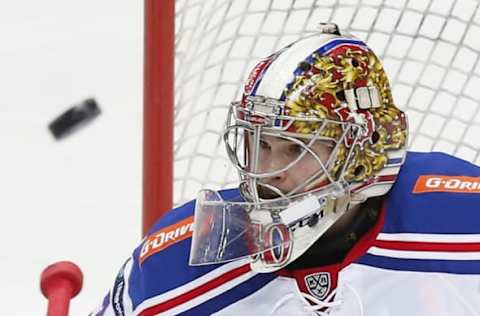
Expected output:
(78, 199)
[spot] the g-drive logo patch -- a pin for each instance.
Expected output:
(166, 237)
(441, 183)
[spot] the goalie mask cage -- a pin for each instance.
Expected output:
(429, 48)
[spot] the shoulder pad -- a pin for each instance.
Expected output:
(434, 193)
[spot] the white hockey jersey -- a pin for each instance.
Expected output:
(421, 258)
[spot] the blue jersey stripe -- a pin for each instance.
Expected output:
(231, 296)
(422, 265)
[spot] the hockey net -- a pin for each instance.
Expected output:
(429, 48)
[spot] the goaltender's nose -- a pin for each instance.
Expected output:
(274, 165)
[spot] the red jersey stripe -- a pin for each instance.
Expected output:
(428, 246)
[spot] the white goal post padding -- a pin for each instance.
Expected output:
(429, 48)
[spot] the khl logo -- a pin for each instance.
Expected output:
(318, 284)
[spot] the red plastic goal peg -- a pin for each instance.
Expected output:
(59, 283)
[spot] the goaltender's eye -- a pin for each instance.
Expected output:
(295, 149)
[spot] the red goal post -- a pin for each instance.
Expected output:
(158, 110)
(429, 48)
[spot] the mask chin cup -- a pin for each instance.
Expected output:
(306, 226)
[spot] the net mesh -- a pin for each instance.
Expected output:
(429, 48)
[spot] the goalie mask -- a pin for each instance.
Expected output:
(316, 131)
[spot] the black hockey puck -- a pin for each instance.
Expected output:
(74, 118)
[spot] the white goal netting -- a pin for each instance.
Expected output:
(429, 48)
